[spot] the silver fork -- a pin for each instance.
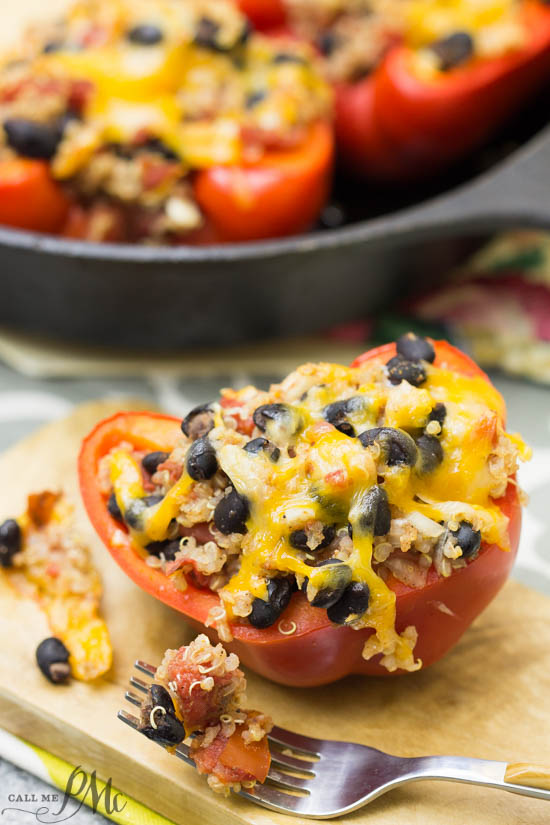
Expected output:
(323, 779)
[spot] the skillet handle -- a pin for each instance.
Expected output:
(515, 194)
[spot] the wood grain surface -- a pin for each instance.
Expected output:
(488, 698)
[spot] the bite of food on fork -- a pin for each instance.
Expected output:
(193, 707)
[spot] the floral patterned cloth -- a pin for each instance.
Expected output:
(497, 307)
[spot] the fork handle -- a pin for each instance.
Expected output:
(516, 777)
(526, 773)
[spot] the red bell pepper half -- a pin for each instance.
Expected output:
(318, 652)
(395, 125)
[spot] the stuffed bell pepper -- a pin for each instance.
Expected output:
(419, 83)
(349, 520)
(162, 121)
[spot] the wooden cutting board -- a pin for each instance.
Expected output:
(488, 698)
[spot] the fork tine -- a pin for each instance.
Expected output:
(132, 698)
(128, 719)
(289, 739)
(150, 670)
(269, 796)
(291, 782)
(284, 760)
(140, 684)
(183, 752)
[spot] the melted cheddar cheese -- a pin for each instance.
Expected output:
(324, 477)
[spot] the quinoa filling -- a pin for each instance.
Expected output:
(128, 100)
(334, 482)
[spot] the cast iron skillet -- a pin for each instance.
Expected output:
(163, 298)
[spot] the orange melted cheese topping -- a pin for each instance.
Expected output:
(323, 475)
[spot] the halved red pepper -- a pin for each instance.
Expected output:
(29, 197)
(317, 652)
(396, 125)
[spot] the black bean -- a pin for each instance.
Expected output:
(439, 413)
(133, 515)
(113, 508)
(30, 138)
(401, 369)
(414, 348)
(352, 605)
(201, 461)
(468, 539)
(10, 541)
(52, 46)
(207, 33)
(258, 445)
(375, 514)
(208, 37)
(151, 461)
(270, 412)
(266, 613)
(169, 730)
(430, 453)
(298, 539)
(168, 548)
(337, 413)
(161, 697)
(152, 500)
(396, 446)
(334, 508)
(160, 148)
(327, 43)
(254, 98)
(289, 57)
(245, 34)
(145, 34)
(453, 50)
(53, 660)
(231, 513)
(332, 216)
(330, 584)
(280, 420)
(198, 422)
